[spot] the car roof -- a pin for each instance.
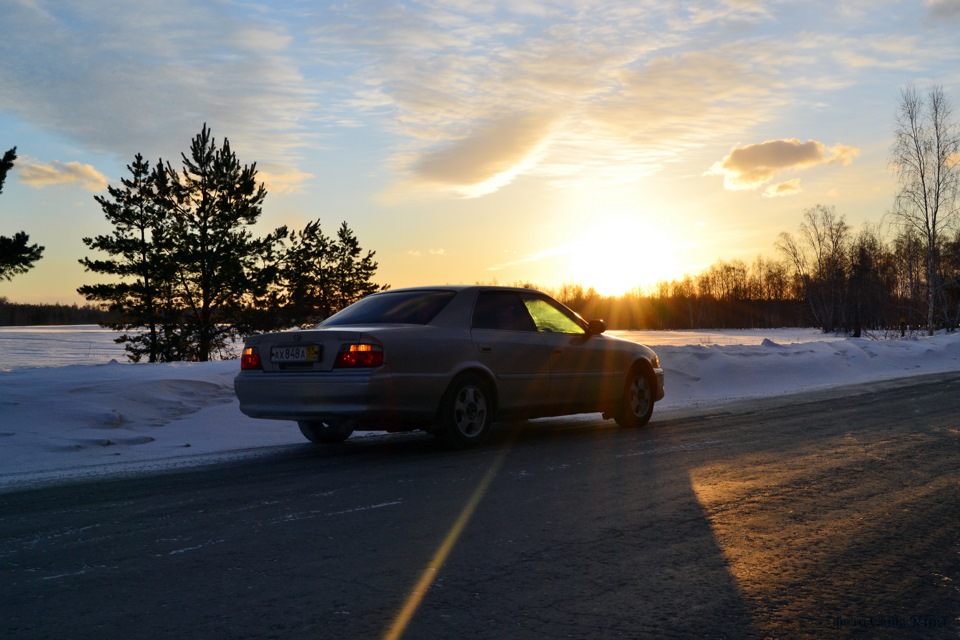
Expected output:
(461, 287)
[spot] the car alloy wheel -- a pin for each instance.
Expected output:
(466, 413)
(637, 404)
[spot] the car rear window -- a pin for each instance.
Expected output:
(400, 307)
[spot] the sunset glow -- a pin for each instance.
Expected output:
(609, 144)
(623, 255)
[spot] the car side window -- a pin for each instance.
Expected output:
(503, 311)
(550, 318)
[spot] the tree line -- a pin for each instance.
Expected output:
(826, 276)
(13, 314)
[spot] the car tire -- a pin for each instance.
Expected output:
(466, 412)
(324, 432)
(636, 407)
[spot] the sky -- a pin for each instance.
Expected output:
(595, 142)
(98, 417)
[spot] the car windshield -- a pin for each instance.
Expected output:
(550, 318)
(400, 307)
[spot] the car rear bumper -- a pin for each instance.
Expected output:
(366, 401)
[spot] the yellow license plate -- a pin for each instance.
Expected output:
(295, 353)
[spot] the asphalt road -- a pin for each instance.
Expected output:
(827, 515)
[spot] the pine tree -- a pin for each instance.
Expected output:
(17, 255)
(321, 275)
(352, 271)
(220, 268)
(142, 298)
(304, 276)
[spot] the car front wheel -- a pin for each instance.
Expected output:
(466, 412)
(637, 404)
(324, 432)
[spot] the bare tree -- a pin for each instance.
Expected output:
(820, 263)
(926, 158)
(870, 282)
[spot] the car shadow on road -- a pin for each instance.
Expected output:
(586, 531)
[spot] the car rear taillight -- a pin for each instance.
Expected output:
(356, 356)
(250, 359)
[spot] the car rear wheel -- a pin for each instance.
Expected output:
(637, 404)
(324, 432)
(466, 412)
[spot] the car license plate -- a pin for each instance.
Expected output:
(298, 353)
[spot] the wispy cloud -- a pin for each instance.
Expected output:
(788, 188)
(545, 254)
(461, 97)
(126, 78)
(288, 181)
(488, 157)
(754, 165)
(39, 175)
(599, 91)
(944, 10)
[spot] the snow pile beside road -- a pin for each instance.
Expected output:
(698, 375)
(59, 422)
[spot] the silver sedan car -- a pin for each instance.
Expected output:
(450, 360)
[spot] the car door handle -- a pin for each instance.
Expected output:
(485, 348)
(558, 351)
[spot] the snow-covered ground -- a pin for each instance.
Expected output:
(71, 406)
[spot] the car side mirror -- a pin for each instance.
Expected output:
(596, 327)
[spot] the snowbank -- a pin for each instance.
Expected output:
(95, 419)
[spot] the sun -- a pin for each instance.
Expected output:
(623, 254)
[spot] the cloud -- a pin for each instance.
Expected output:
(40, 175)
(788, 188)
(940, 10)
(289, 181)
(544, 254)
(630, 86)
(488, 157)
(754, 165)
(451, 97)
(125, 78)
(605, 95)
(416, 253)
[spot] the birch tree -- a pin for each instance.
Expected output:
(926, 159)
(819, 260)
